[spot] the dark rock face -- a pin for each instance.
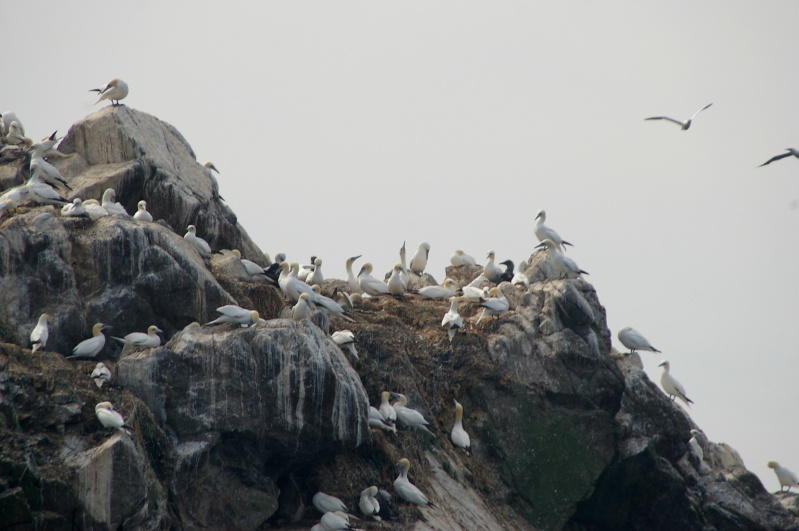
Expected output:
(237, 427)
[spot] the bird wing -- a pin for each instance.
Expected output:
(231, 310)
(700, 110)
(776, 157)
(681, 124)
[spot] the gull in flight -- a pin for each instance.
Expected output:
(790, 151)
(684, 125)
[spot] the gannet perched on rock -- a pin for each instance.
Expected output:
(345, 339)
(683, 125)
(141, 339)
(542, 232)
(370, 284)
(328, 305)
(94, 209)
(302, 310)
(368, 504)
(452, 320)
(305, 269)
(101, 374)
(8, 117)
(352, 281)
(458, 435)
(326, 503)
(476, 291)
(404, 262)
(407, 490)
(520, 280)
(459, 258)
(315, 277)
(42, 192)
(249, 266)
(491, 270)
(376, 420)
(786, 477)
(565, 266)
(89, 348)
(292, 285)
(236, 314)
(16, 134)
(46, 171)
(419, 260)
(201, 245)
(40, 333)
(496, 305)
(18, 194)
(633, 340)
(108, 416)
(670, 384)
(115, 90)
(386, 409)
(209, 171)
(110, 205)
(336, 521)
(410, 417)
(695, 446)
(395, 284)
(444, 291)
(74, 209)
(142, 214)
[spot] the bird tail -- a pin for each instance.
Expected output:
(656, 350)
(564, 242)
(121, 340)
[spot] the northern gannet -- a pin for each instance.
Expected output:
(520, 279)
(46, 148)
(74, 209)
(790, 151)
(386, 409)
(336, 521)
(16, 135)
(89, 348)
(101, 374)
(410, 417)
(191, 236)
(459, 258)
(452, 320)
(458, 435)
(8, 118)
(407, 490)
(496, 305)
(115, 90)
(395, 284)
(419, 260)
(236, 314)
(444, 291)
(141, 339)
(94, 209)
(40, 333)
(563, 264)
(491, 270)
(249, 266)
(404, 262)
(110, 205)
(46, 171)
(209, 171)
(352, 281)
(302, 310)
(293, 286)
(370, 284)
(346, 339)
(108, 416)
(683, 125)
(376, 420)
(305, 269)
(633, 340)
(695, 446)
(142, 214)
(326, 503)
(542, 232)
(670, 384)
(786, 477)
(42, 192)
(315, 276)
(368, 504)
(18, 194)
(344, 300)
(475, 290)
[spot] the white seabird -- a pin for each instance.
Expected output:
(444, 291)
(542, 232)
(404, 262)
(292, 285)
(407, 490)
(302, 310)
(46, 171)
(209, 171)
(74, 209)
(141, 339)
(352, 281)
(566, 267)
(475, 291)
(790, 151)
(16, 134)
(633, 340)
(496, 305)
(520, 280)
(370, 284)
(43, 192)
(142, 214)
(250, 267)
(40, 333)
(89, 348)
(18, 194)
(345, 300)
(386, 409)
(376, 420)
(346, 339)
(115, 90)
(410, 417)
(94, 209)
(236, 314)
(452, 320)
(201, 245)
(786, 477)
(395, 284)
(670, 384)
(683, 125)
(459, 258)
(315, 276)
(696, 448)
(305, 269)
(110, 205)
(491, 270)
(419, 260)
(368, 504)
(108, 416)
(8, 118)
(101, 374)
(328, 305)
(326, 503)
(336, 521)
(458, 435)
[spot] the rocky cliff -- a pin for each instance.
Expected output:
(236, 428)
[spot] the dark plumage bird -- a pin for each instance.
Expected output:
(507, 275)
(790, 151)
(272, 273)
(683, 125)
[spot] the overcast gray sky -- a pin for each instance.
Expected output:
(345, 128)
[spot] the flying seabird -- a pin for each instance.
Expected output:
(370, 284)
(368, 504)
(458, 435)
(115, 90)
(191, 236)
(407, 490)
(40, 333)
(101, 374)
(410, 417)
(790, 151)
(326, 503)
(444, 291)
(459, 258)
(452, 320)
(141, 339)
(236, 314)
(74, 209)
(786, 477)
(108, 416)
(565, 266)
(142, 214)
(684, 125)
(419, 260)
(346, 339)
(670, 384)
(89, 348)
(633, 340)
(542, 232)
(110, 205)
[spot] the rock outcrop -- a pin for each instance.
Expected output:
(237, 427)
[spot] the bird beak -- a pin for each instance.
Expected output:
(52, 137)
(356, 257)
(361, 271)
(540, 245)
(538, 216)
(105, 327)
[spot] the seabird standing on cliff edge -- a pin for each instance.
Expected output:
(670, 384)
(74, 209)
(395, 284)
(142, 214)
(386, 409)
(352, 281)
(633, 340)
(565, 266)
(496, 305)
(790, 151)
(444, 291)
(108, 416)
(407, 490)
(370, 284)
(345, 339)
(786, 477)
(410, 417)
(683, 125)
(110, 205)
(452, 320)
(459, 258)
(419, 260)
(368, 504)
(115, 90)
(458, 435)
(89, 348)
(40, 333)
(141, 339)
(542, 232)
(326, 503)
(209, 170)
(201, 245)
(491, 270)
(236, 314)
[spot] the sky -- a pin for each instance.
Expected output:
(347, 128)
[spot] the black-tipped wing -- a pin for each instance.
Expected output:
(681, 124)
(776, 157)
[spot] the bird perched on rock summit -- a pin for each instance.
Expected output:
(115, 90)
